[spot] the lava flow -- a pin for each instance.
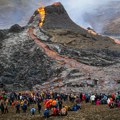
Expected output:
(42, 15)
(52, 54)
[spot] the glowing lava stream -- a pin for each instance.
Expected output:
(54, 55)
(42, 15)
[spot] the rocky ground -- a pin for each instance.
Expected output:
(89, 62)
(88, 112)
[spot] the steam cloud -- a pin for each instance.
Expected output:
(19, 11)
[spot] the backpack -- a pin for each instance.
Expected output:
(39, 106)
(111, 105)
(17, 106)
(74, 108)
(33, 111)
(46, 113)
(63, 111)
(24, 106)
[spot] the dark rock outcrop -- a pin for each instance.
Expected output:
(16, 28)
(57, 17)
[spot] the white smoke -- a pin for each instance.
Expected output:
(77, 9)
(19, 11)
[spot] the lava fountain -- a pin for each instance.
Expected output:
(42, 15)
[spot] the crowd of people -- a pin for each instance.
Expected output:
(53, 103)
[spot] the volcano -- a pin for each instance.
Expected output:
(52, 52)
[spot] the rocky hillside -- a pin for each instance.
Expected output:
(61, 55)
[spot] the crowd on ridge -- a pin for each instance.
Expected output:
(53, 103)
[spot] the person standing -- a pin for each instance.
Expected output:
(39, 107)
(6, 106)
(2, 107)
(17, 107)
(33, 111)
(92, 98)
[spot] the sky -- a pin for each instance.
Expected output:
(19, 11)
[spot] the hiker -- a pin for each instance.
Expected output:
(46, 113)
(17, 106)
(6, 106)
(63, 111)
(92, 98)
(109, 100)
(39, 107)
(33, 110)
(1, 97)
(117, 103)
(55, 111)
(97, 102)
(111, 105)
(60, 104)
(2, 107)
(113, 96)
(78, 102)
(80, 96)
(87, 98)
(48, 103)
(71, 98)
(24, 107)
(83, 97)
(55, 103)
(104, 99)
(75, 107)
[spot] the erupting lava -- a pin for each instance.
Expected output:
(42, 15)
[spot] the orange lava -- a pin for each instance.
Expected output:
(54, 55)
(42, 15)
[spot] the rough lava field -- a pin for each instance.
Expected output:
(59, 55)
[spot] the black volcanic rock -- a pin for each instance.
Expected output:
(58, 21)
(57, 17)
(16, 28)
(2, 34)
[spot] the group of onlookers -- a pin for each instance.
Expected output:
(53, 103)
